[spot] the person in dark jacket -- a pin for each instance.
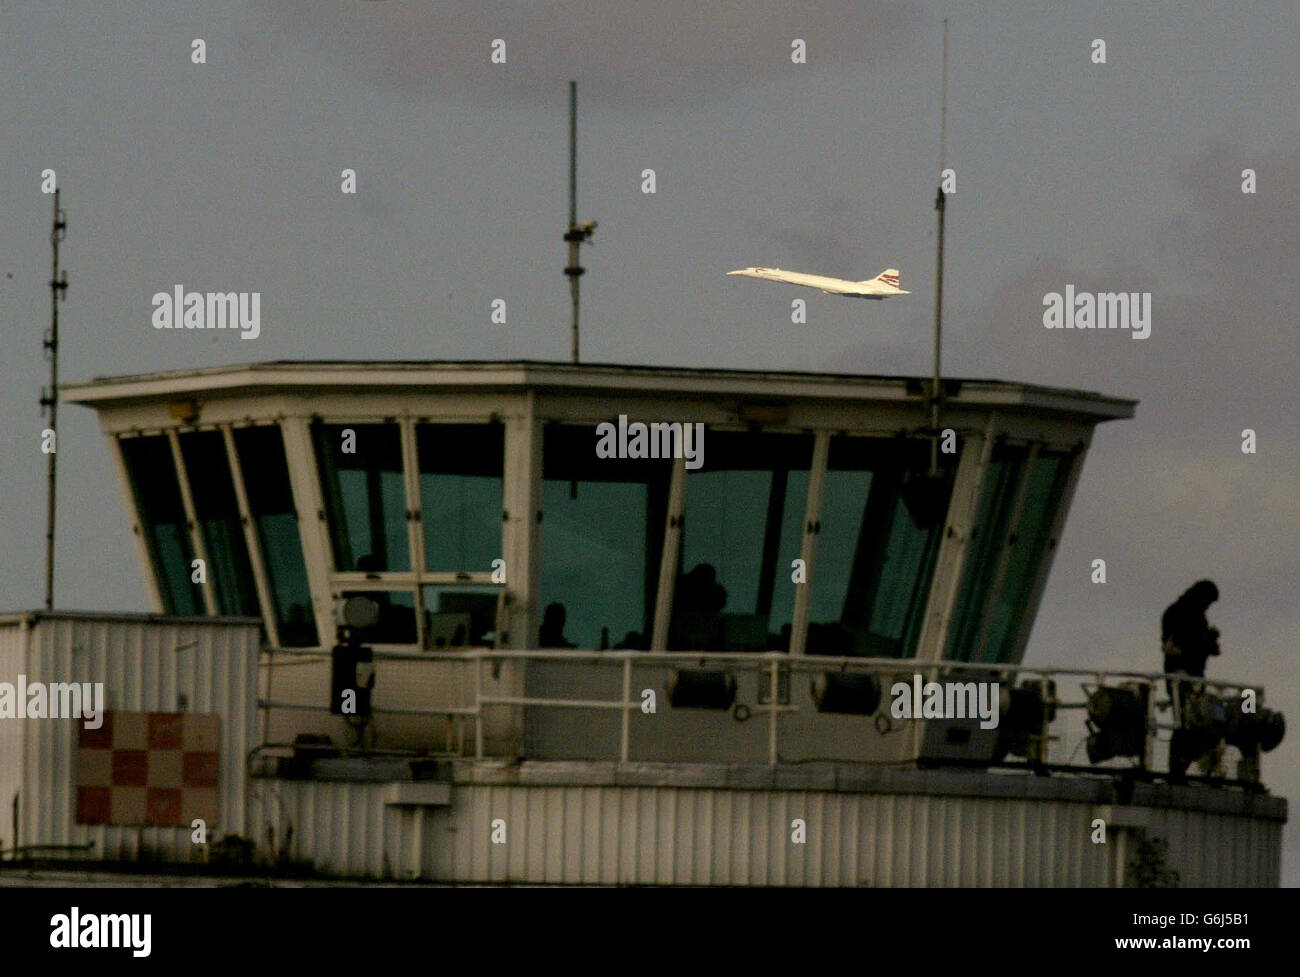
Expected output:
(1186, 637)
(1188, 640)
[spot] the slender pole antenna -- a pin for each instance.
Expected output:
(936, 390)
(50, 399)
(576, 234)
(573, 153)
(943, 101)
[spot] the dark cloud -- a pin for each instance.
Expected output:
(629, 55)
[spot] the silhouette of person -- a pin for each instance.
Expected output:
(551, 634)
(1188, 641)
(697, 609)
(1186, 637)
(700, 592)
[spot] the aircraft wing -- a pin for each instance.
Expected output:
(880, 287)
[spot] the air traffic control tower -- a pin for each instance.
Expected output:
(513, 629)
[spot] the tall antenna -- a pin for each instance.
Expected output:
(936, 391)
(577, 233)
(50, 399)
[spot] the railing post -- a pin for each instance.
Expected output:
(478, 706)
(1148, 741)
(1045, 728)
(627, 707)
(266, 712)
(775, 679)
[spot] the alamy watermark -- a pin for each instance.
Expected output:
(180, 309)
(133, 931)
(946, 700)
(58, 700)
(654, 440)
(1101, 310)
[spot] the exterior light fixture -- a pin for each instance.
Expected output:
(702, 689)
(1248, 731)
(851, 693)
(1117, 721)
(1025, 713)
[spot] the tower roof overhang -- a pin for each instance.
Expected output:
(586, 378)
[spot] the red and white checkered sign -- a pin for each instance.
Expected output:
(149, 768)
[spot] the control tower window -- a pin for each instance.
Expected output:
(365, 498)
(161, 512)
(1017, 509)
(601, 542)
(1025, 552)
(882, 522)
(459, 616)
(270, 502)
(742, 530)
(215, 505)
(461, 494)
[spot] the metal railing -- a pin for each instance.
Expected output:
(1065, 695)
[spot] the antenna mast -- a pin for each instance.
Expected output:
(576, 234)
(50, 399)
(936, 388)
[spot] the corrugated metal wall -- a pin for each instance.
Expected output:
(614, 835)
(687, 836)
(13, 655)
(146, 664)
(583, 831)
(342, 829)
(1236, 852)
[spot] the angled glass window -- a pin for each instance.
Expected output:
(161, 514)
(742, 529)
(992, 523)
(882, 522)
(1013, 527)
(365, 499)
(461, 494)
(270, 502)
(601, 542)
(1025, 549)
(217, 510)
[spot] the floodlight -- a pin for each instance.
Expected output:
(851, 693)
(702, 689)
(1205, 722)
(1248, 731)
(1117, 721)
(1024, 713)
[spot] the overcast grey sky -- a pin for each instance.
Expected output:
(1123, 176)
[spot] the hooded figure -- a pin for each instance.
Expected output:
(1187, 640)
(1186, 637)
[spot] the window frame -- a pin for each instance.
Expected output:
(1071, 454)
(411, 581)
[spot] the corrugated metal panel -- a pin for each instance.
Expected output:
(616, 835)
(566, 830)
(13, 655)
(342, 829)
(690, 836)
(146, 664)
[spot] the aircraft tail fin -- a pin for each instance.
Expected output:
(888, 277)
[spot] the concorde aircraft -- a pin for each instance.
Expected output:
(882, 286)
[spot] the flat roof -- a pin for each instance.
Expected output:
(578, 377)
